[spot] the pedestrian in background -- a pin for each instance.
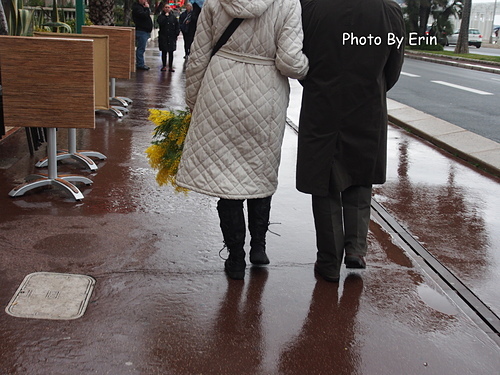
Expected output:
(342, 143)
(141, 15)
(167, 36)
(185, 20)
(197, 5)
(238, 100)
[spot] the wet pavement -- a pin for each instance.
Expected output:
(163, 305)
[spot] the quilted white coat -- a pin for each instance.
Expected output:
(239, 97)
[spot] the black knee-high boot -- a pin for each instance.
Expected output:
(232, 224)
(258, 223)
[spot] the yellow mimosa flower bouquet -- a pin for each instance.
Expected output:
(165, 152)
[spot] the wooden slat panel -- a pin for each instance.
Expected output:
(47, 82)
(132, 51)
(120, 41)
(132, 44)
(101, 63)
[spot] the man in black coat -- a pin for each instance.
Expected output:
(355, 50)
(141, 15)
(185, 21)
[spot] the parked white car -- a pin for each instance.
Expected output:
(475, 38)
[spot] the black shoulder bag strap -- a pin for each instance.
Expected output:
(226, 35)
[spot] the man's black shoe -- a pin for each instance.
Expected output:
(326, 274)
(354, 261)
(143, 67)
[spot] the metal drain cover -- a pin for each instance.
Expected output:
(47, 295)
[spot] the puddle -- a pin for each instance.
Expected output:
(436, 300)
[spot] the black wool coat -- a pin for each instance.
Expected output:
(186, 28)
(141, 16)
(168, 33)
(343, 119)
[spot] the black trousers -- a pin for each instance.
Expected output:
(341, 220)
(188, 40)
(170, 58)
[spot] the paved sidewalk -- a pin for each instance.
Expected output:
(162, 304)
(469, 146)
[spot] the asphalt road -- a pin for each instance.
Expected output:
(467, 98)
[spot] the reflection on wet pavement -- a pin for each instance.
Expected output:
(163, 305)
(328, 331)
(449, 206)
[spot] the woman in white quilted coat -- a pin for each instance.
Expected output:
(238, 100)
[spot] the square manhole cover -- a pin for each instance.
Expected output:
(47, 295)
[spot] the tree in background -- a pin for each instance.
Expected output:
(101, 12)
(4, 28)
(410, 11)
(423, 15)
(463, 38)
(123, 12)
(417, 13)
(127, 12)
(442, 11)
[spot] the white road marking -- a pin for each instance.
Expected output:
(409, 75)
(496, 79)
(463, 88)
